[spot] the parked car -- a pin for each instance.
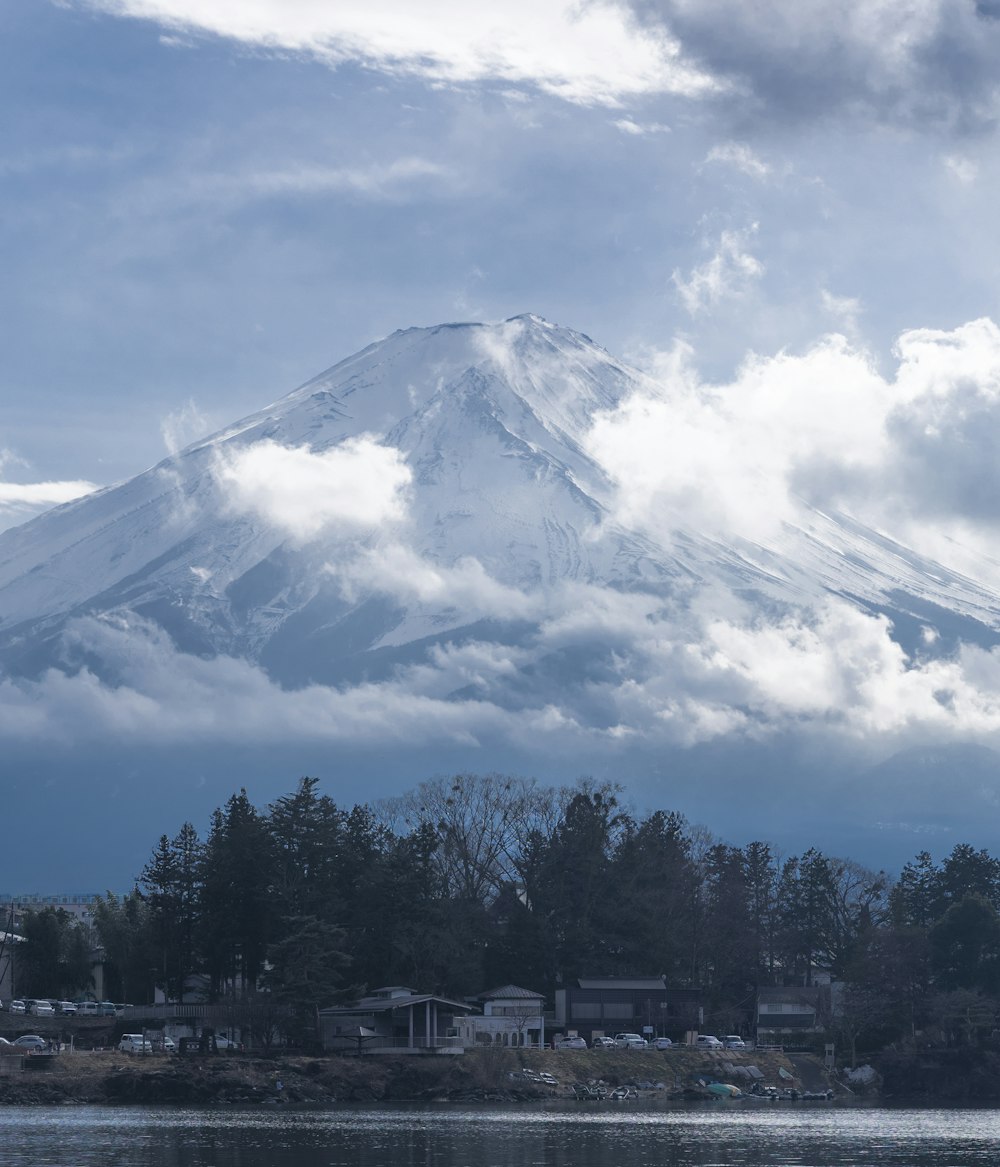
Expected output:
(88, 1009)
(705, 1041)
(30, 1041)
(18, 1007)
(67, 1008)
(41, 1008)
(630, 1041)
(135, 1043)
(603, 1043)
(734, 1041)
(662, 1043)
(569, 1043)
(106, 1009)
(227, 1043)
(166, 1044)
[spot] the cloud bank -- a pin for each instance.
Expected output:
(926, 64)
(914, 453)
(592, 54)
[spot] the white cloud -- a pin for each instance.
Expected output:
(915, 454)
(845, 311)
(964, 170)
(741, 157)
(20, 501)
(727, 275)
(594, 53)
(43, 494)
(833, 676)
(355, 486)
(397, 570)
(640, 129)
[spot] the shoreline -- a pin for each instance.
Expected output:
(478, 1076)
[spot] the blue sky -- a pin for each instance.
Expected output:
(785, 211)
(206, 203)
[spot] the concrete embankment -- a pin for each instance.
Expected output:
(479, 1075)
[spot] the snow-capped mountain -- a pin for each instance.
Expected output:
(502, 501)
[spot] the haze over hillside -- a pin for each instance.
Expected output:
(430, 557)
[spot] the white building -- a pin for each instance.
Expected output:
(511, 1016)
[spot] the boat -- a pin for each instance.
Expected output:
(724, 1090)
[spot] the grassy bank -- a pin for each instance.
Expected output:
(477, 1075)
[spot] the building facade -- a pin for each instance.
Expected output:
(604, 1006)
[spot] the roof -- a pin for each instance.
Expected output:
(786, 1021)
(791, 995)
(510, 992)
(639, 984)
(387, 1004)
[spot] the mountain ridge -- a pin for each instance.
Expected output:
(491, 422)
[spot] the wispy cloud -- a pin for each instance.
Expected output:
(40, 494)
(640, 129)
(183, 426)
(740, 157)
(728, 274)
(20, 501)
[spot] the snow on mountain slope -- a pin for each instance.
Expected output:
(500, 506)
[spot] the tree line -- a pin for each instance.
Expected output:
(474, 881)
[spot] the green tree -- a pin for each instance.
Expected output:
(305, 972)
(237, 878)
(568, 884)
(915, 897)
(306, 831)
(651, 882)
(965, 946)
(54, 958)
(171, 883)
(125, 931)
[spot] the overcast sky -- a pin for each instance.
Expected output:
(787, 210)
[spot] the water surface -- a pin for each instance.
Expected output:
(446, 1136)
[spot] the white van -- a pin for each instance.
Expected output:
(134, 1043)
(88, 1009)
(630, 1041)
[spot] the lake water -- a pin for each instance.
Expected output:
(444, 1136)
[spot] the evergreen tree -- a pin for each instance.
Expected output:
(54, 957)
(171, 884)
(965, 946)
(306, 969)
(235, 917)
(124, 928)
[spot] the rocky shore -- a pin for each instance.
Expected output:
(479, 1075)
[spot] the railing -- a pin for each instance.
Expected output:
(238, 1011)
(381, 1042)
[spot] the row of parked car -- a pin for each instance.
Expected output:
(637, 1041)
(49, 1008)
